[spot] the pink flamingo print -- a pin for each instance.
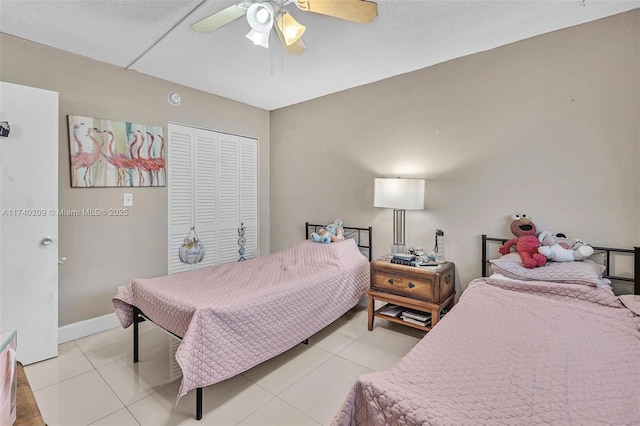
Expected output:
(160, 160)
(85, 160)
(122, 163)
(76, 138)
(151, 160)
(75, 155)
(144, 163)
(136, 161)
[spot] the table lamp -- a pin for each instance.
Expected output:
(399, 194)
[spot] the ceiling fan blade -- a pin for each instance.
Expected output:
(294, 49)
(215, 21)
(360, 11)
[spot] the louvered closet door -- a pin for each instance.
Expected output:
(237, 202)
(213, 185)
(205, 193)
(180, 153)
(248, 152)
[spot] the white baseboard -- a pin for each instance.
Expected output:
(80, 329)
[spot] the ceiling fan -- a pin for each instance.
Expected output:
(263, 15)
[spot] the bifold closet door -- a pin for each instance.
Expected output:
(212, 180)
(238, 205)
(180, 154)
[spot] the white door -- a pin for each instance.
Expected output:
(28, 220)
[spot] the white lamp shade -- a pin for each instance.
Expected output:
(261, 39)
(399, 194)
(260, 17)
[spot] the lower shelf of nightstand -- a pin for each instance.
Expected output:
(400, 321)
(432, 308)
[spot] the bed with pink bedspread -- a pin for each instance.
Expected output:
(514, 352)
(235, 316)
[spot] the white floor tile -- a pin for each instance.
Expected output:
(341, 333)
(320, 393)
(78, 401)
(119, 418)
(117, 343)
(277, 374)
(379, 349)
(70, 362)
(94, 378)
(278, 413)
(225, 403)
(132, 382)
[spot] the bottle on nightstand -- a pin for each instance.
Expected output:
(439, 248)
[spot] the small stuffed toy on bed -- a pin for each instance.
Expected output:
(560, 248)
(526, 242)
(324, 234)
(339, 235)
(331, 232)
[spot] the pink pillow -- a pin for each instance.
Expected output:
(581, 272)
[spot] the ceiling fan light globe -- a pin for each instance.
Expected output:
(259, 38)
(260, 17)
(290, 28)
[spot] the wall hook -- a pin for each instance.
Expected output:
(4, 128)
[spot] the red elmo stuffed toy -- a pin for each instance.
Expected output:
(526, 242)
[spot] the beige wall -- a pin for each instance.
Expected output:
(104, 253)
(548, 126)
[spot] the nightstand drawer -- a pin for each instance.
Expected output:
(428, 285)
(420, 289)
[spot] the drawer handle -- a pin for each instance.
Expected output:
(411, 285)
(447, 279)
(390, 281)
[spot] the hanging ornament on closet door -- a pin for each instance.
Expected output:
(241, 242)
(192, 249)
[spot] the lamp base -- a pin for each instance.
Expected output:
(398, 248)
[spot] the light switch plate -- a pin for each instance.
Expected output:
(127, 200)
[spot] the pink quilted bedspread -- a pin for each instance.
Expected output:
(235, 316)
(513, 353)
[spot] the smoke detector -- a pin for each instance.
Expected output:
(174, 98)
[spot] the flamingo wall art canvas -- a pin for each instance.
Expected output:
(115, 153)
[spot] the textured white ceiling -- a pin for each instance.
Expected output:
(154, 38)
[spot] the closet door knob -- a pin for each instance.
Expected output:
(45, 241)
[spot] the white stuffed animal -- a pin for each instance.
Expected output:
(560, 248)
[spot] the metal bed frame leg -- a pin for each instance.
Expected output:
(636, 270)
(136, 317)
(198, 403)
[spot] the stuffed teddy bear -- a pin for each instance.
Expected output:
(526, 242)
(339, 235)
(328, 233)
(560, 248)
(324, 234)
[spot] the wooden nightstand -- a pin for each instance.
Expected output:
(422, 289)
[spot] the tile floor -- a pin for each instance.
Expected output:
(93, 381)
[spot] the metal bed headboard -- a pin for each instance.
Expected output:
(607, 251)
(362, 236)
